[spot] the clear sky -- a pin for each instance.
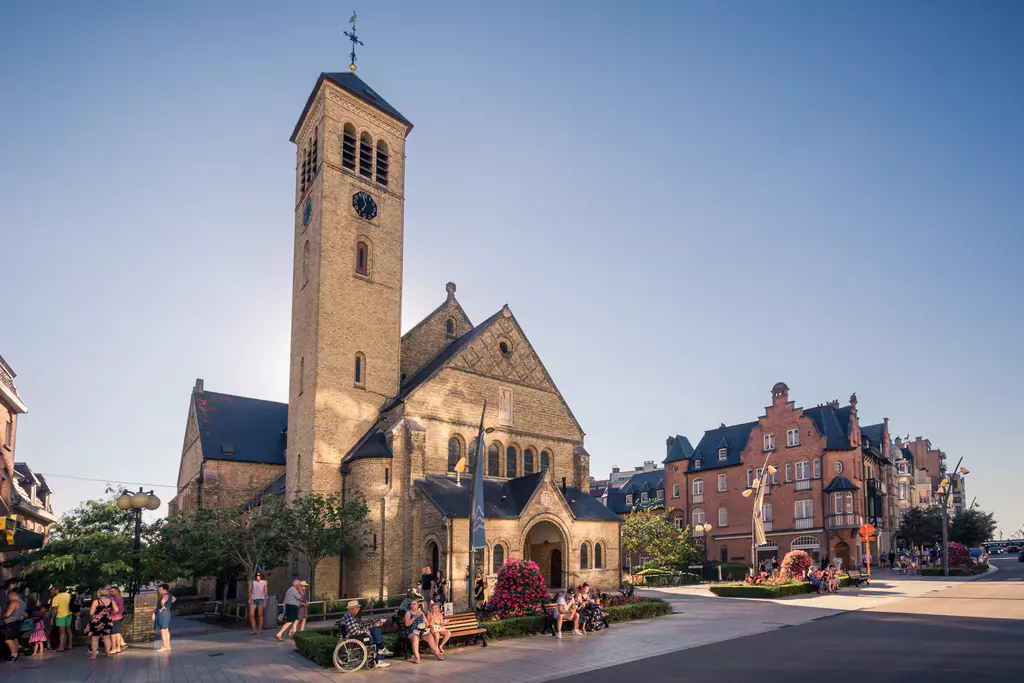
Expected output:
(683, 203)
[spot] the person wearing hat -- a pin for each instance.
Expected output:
(292, 600)
(354, 626)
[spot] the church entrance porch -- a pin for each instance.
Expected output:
(545, 546)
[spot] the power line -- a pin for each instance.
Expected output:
(108, 481)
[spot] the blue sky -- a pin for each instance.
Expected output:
(682, 203)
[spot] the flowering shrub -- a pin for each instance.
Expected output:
(958, 555)
(796, 563)
(519, 590)
(765, 579)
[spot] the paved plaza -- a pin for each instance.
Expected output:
(210, 653)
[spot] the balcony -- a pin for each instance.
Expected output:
(803, 484)
(698, 498)
(768, 525)
(844, 521)
(804, 523)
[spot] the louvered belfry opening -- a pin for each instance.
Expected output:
(348, 148)
(366, 156)
(382, 163)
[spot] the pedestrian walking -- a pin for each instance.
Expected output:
(60, 605)
(116, 639)
(300, 623)
(162, 616)
(99, 626)
(292, 600)
(38, 638)
(13, 616)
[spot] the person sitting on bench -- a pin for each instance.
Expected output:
(355, 627)
(814, 578)
(565, 608)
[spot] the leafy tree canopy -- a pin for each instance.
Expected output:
(972, 527)
(921, 526)
(319, 526)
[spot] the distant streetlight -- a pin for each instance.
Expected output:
(705, 528)
(943, 491)
(136, 502)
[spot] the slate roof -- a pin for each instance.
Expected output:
(833, 423)
(505, 499)
(874, 433)
(351, 83)
(733, 438)
(373, 445)
(840, 483)
(634, 486)
(680, 449)
(241, 429)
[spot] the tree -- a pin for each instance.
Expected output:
(651, 533)
(972, 527)
(255, 535)
(921, 526)
(89, 547)
(198, 546)
(320, 526)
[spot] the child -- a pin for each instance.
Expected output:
(38, 638)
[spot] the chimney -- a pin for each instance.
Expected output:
(668, 444)
(615, 470)
(885, 421)
(721, 425)
(563, 485)
(199, 385)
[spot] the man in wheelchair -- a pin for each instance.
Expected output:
(354, 627)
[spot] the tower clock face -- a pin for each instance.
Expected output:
(307, 211)
(364, 205)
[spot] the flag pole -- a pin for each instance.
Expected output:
(477, 482)
(758, 500)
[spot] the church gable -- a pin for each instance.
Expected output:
(430, 336)
(503, 352)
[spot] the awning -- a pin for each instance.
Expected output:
(23, 540)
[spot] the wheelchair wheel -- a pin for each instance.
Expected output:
(349, 655)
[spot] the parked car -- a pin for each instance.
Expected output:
(1020, 555)
(978, 555)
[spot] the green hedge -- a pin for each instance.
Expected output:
(741, 590)
(318, 646)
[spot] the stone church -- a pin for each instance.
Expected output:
(375, 413)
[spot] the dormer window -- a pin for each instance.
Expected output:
(643, 497)
(661, 494)
(449, 327)
(723, 454)
(629, 499)
(696, 464)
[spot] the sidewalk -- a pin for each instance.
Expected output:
(209, 653)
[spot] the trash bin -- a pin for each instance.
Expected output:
(270, 612)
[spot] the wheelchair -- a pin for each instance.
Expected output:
(352, 654)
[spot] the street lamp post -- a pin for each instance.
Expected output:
(945, 488)
(136, 502)
(705, 528)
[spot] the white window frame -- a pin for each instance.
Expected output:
(750, 478)
(837, 503)
(629, 499)
(660, 495)
(803, 470)
(678, 522)
(769, 442)
(766, 513)
(807, 505)
(789, 472)
(675, 490)
(723, 482)
(723, 454)
(699, 517)
(816, 468)
(698, 487)
(643, 496)
(723, 516)
(792, 437)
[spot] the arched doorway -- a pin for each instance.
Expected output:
(843, 552)
(544, 544)
(810, 545)
(555, 569)
(434, 553)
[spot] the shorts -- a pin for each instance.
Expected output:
(291, 612)
(63, 622)
(259, 602)
(12, 630)
(115, 626)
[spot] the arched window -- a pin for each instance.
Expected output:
(584, 559)
(449, 327)
(382, 163)
(510, 462)
(366, 156)
(698, 518)
(849, 503)
(498, 557)
(360, 371)
(305, 263)
(494, 460)
(454, 452)
(362, 258)
(545, 460)
(527, 461)
(348, 147)
(598, 555)
(698, 487)
(471, 457)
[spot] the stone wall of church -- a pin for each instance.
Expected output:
(430, 336)
(227, 483)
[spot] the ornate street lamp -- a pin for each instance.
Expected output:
(136, 502)
(943, 490)
(705, 527)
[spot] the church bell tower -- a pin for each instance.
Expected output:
(347, 284)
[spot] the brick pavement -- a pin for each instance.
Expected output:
(209, 653)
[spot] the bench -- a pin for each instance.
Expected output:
(459, 625)
(857, 577)
(550, 621)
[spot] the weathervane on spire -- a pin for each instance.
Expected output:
(355, 41)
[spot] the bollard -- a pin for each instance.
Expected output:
(270, 612)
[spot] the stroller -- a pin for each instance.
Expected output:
(28, 624)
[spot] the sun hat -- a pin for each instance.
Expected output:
(304, 583)
(351, 604)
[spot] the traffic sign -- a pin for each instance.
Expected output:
(867, 529)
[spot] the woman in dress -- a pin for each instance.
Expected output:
(100, 612)
(416, 629)
(257, 600)
(38, 638)
(162, 616)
